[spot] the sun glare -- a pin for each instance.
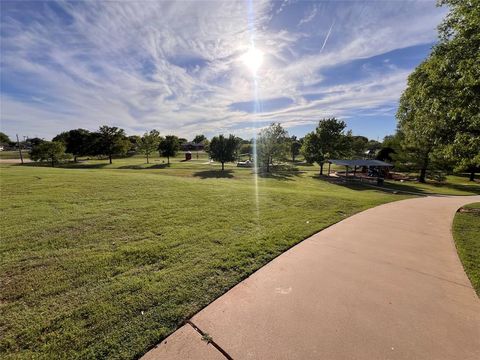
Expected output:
(253, 59)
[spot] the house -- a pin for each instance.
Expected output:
(191, 146)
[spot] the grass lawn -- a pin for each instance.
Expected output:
(454, 185)
(466, 232)
(13, 155)
(104, 261)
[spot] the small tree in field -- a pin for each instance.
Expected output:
(223, 149)
(169, 146)
(328, 140)
(272, 144)
(149, 143)
(52, 151)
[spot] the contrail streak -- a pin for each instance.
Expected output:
(328, 35)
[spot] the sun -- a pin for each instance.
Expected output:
(253, 59)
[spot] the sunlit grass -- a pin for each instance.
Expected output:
(106, 262)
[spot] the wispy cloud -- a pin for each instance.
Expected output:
(176, 66)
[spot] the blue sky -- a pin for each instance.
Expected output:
(179, 66)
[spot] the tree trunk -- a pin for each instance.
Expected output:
(168, 160)
(423, 173)
(223, 165)
(268, 165)
(53, 162)
(75, 158)
(472, 175)
(147, 159)
(293, 157)
(321, 169)
(110, 158)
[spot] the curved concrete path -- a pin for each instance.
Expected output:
(383, 284)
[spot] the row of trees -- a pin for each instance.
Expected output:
(439, 112)
(107, 141)
(273, 145)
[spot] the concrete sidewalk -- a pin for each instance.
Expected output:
(383, 284)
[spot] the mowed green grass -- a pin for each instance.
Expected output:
(104, 261)
(453, 185)
(466, 232)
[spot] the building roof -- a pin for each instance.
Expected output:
(353, 163)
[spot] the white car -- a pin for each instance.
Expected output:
(247, 163)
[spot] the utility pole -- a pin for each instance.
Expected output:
(19, 149)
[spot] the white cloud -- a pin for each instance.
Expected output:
(175, 66)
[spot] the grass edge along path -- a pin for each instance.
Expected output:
(466, 233)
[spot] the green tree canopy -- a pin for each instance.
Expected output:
(272, 145)
(52, 151)
(295, 146)
(149, 143)
(198, 139)
(169, 146)
(328, 141)
(112, 141)
(223, 149)
(439, 112)
(77, 142)
(4, 139)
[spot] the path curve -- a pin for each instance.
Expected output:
(383, 284)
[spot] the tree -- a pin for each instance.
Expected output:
(198, 139)
(169, 146)
(222, 149)
(112, 141)
(328, 141)
(295, 147)
(134, 142)
(4, 139)
(246, 149)
(360, 144)
(52, 151)
(421, 117)
(149, 143)
(76, 142)
(440, 109)
(272, 144)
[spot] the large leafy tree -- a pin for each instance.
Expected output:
(439, 112)
(272, 145)
(169, 146)
(112, 141)
(458, 75)
(421, 117)
(76, 142)
(223, 149)
(149, 143)
(329, 140)
(52, 151)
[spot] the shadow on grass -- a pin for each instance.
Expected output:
(460, 187)
(141, 167)
(64, 166)
(279, 175)
(214, 174)
(402, 187)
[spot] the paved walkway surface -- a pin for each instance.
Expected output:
(383, 284)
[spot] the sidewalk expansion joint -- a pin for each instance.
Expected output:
(210, 340)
